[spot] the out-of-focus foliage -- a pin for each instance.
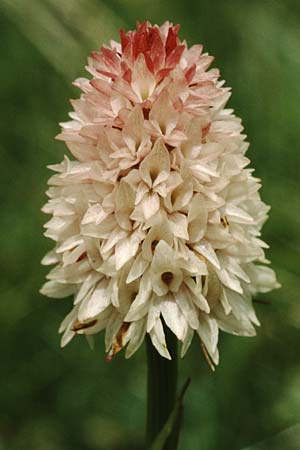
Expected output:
(71, 399)
(288, 439)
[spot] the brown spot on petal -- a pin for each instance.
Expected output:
(154, 244)
(77, 326)
(205, 132)
(224, 221)
(122, 331)
(169, 147)
(81, 257)
(153, 174)
(132, 297)
(167, 277)
(146, 113)
(118, 341)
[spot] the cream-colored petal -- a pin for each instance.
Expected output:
(187, 341)
(163, 114)
(150, 204)
(133, 130)
(179, 225)
(154, 311)
(126, 249)
(56, 289)
(187, 307)
(143, 82)
(232, 325)
(264, 278)
(156, 164)
(157, 232)
(138, 331)
(138, 268)
(125, 201)
(209, 332)
(173, 317)
(205, 249)
(139, 306)
(96, 303)
(158, 339)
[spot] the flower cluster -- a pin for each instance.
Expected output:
(157, 218)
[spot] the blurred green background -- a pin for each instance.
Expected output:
(71, 399)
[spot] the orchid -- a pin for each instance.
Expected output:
(156, 217)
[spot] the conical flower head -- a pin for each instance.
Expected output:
(156, 217)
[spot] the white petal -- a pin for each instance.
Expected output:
(102, 320)
(96, 303)
(55, 289)
(66, 327)
(182, 195)
(139, 307)
(133, 128)
(157, 232)
(95, 214)
(125, 198)
(204, 248)
(88, 283)
(263, 278)
(197, 218)
(209, 332)
(112, 328)
(224, 302)
(173, 316)
(229, 280)
(67, 337)
(92, 246)
(50, 258)
(158, 339)
(101, 230)
(235, 268)
(174, 179)
(197, 296)
(187, 342)
(156, 164)
(70, 257)
(138, 333)
(194, 265)
(154, 310)
(179, 225)
(125, 250)
(150, 204)
(114, 292)
(68, 320)
(137, 269)
(163, 116)
(141, 191)
(232, 325)
(242, 307)
(238, 215)
(70, 243)
(143, 82)
(115, 236)
(187, 307)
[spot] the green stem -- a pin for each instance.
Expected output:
(161, 390)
